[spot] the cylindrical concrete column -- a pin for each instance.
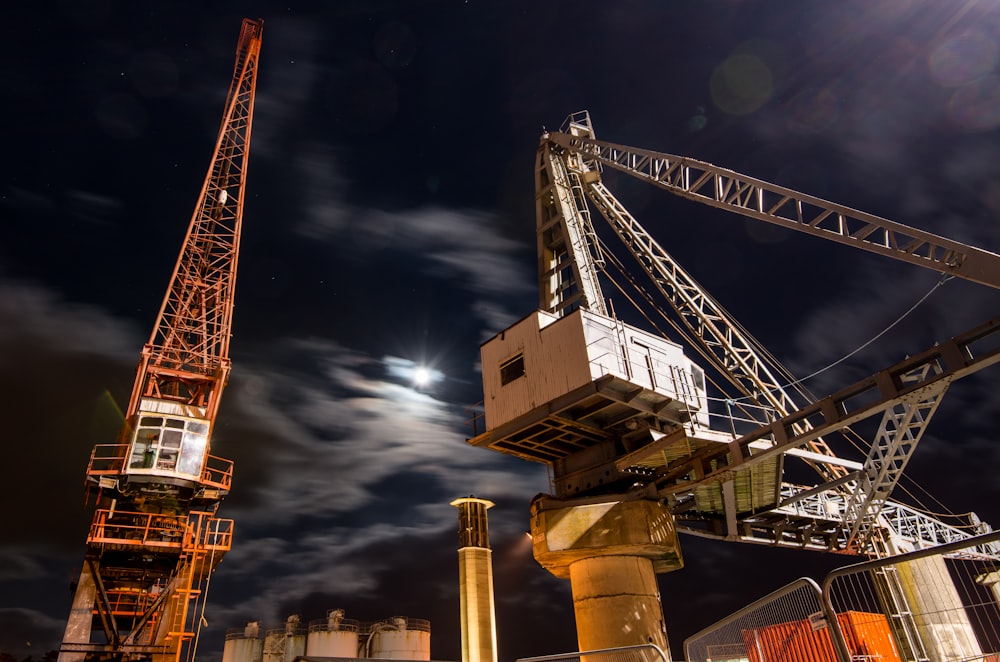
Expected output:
(611, 551)
(944, 626)
(991, 580)
(617, 602)
(475, 571)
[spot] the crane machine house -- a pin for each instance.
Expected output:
(583, 389)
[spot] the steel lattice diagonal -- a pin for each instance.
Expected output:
(902, 426)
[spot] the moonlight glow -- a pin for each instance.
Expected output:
(421, 376)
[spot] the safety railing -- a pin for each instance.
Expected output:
(218, 473)
(788, 624)
(210, 534)
(130, 601)
(400, 623)
(109, 460)
(152, 530)
(940, 604)
(251, 630)
(328, 625)
(640, 653)
(137, 529)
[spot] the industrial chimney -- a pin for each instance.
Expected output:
(475, 570)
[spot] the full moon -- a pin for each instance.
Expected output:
(421, 376)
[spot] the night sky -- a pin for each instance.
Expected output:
(389, 224)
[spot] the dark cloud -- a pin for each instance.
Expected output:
(389, 224)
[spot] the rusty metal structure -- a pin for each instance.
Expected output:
(155, 540)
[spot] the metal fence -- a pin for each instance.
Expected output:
(940, 604)
(788, 624)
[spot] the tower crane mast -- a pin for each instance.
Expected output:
(154, 539)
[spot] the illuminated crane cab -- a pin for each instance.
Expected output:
(168, 444)
(558, 388)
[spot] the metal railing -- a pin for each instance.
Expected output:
(109, 460)
(153, 530)
(640, 653)
(940, 604)
(788, 624)
(342, 625)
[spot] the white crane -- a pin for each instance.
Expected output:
(726, 481)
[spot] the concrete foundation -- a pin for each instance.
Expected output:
(81, 615)
(616, 602)
(611, 552)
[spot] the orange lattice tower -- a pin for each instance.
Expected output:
(154, 540)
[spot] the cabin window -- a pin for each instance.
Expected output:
(175, 445)
(512, 369)
(699, 377)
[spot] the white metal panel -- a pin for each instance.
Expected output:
(555, 362)
(154, 405)
(563, 354)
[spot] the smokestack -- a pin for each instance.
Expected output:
(475, 571)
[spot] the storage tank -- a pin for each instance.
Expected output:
(333, 636)
(286, 643)
(243, 644)
(399, 638)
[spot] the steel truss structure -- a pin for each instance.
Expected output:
(155, 540)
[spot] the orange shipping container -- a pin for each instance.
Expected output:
(867, 636)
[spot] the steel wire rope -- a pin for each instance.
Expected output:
(854, 439)
(944, 279)
(204, 595)
(649, 299)
(857, 441)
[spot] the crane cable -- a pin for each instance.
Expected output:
(855, 439)
(944, 279)
(682, 332)
(192, 651)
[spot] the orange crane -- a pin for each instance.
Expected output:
(154, 539)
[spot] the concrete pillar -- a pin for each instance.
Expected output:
(944, 626)
(611, 551)
(991, 580)
(81, 615)
(616, 602)
(475, 571)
